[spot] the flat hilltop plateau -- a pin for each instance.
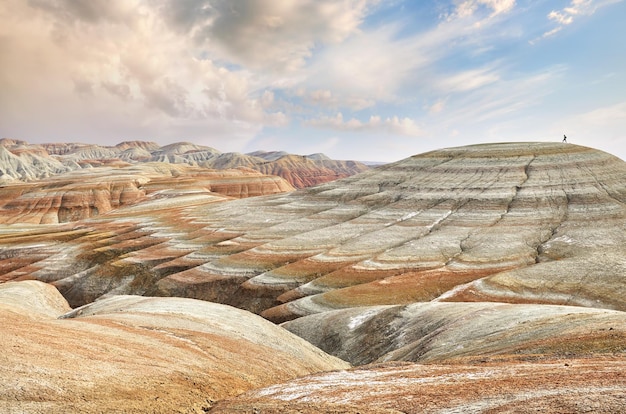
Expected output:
(486, 278)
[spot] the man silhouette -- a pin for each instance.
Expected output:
(564, 138)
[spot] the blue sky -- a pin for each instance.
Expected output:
(355, 79)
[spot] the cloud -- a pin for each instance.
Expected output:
(436, 107)
(120, 90)
(120, 62)
(93, 11)
(497, 101)
(468, 80)
(266, 34)
(220, 72)
(566, 16)
(467, 8)
(326, 99)
(391, 125)
(561, 17)
(234, 66)
(387, 63)
(612, 114)
(369, 66)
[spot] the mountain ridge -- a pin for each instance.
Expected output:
(27, 162)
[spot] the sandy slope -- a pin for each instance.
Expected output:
(137, 354)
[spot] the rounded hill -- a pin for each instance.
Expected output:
(515, 222)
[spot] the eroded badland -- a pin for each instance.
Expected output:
(487, 278)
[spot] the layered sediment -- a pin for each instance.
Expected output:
(137, 354)
(21, 161)
(480, 278)
(438, 332)
(82, 194)
(496, 386)
(517, 223)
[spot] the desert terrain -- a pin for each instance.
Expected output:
(138, 278)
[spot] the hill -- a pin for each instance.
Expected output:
(135, 354)
(482, 278)
(530, 222)
(21, 161)
(92, 192)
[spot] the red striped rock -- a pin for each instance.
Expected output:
(95, 191)
(379, 267)
(21, 161)
(520, 223)
(503, 385)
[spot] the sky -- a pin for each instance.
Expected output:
(355, 79)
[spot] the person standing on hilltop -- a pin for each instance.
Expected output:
(564, 138)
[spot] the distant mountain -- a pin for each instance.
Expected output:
(302, 171)
(268, 155)
(27, 165)
(145, 145)
(25, 162)
(182, 148)
(318, 157)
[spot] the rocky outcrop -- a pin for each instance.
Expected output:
(135, 154)
(27, 165)
(184, 147)
(92, 192)
(138, 354)
(91, 152)
(268, 155)
(299, 171)
(63, 148)
(445, 224)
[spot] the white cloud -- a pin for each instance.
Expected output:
(266, 34)
(326, 99)
(565, 16)
(467, 8)
(371, 66)
(219, 63)
(93, 11)
(561, 17)
(118, 64)
(391, 125)
(219, 71)
(436, 107)
(612, 114)
(468, 80)
(500, 6)
(382, 65)
(496, 101)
